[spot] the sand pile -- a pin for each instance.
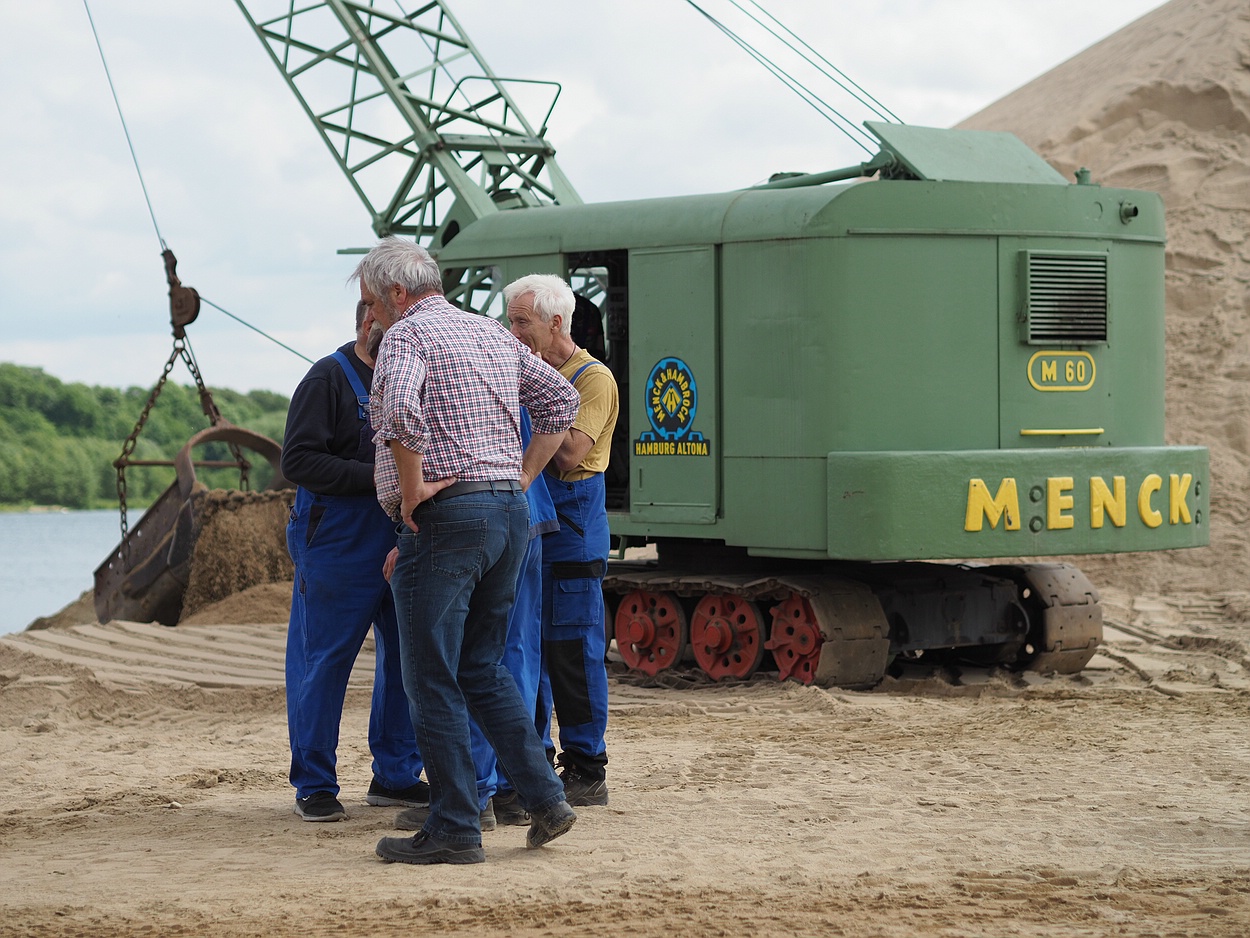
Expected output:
(79, 612)
(1164, 105)
(264, 602)
(241, 543)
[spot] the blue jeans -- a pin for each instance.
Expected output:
(454, 584)
(338, 544)
(522, 656)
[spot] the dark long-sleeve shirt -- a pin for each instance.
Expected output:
(327, 448)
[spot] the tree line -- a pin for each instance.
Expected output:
(58, 441)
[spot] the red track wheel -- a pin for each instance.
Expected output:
(727, 635)
(796, 639)
(650, 631)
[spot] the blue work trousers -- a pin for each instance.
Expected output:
(522, 656)
(338, 545)
(575, 679)
(454, 585)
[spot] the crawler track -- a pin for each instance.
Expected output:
(843, 628)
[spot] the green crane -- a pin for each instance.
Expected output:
(428, 136)
(854, 405)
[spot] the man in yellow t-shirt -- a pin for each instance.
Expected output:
(574, 678)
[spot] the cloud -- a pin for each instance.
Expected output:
(655, 102)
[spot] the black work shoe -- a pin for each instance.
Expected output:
(320, 806)
(508, 809)
(546, 826)
(423, 849)
(413, 796)
(413, 819)
(583, 792)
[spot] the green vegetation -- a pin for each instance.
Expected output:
(58, 441)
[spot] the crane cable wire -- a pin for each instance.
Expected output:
(143, 185)
(254, 329)
(858, 93)
(844, 124)
(125, 129)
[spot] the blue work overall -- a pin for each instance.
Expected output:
(574, 677)
(338, 545)
(522, 654)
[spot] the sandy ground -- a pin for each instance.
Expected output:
(147, 795)
(147, 790)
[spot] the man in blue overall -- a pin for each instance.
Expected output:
(339, 538)
(540, 314)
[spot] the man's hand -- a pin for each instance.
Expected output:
(388, 565)
(413, 489)
(417, 492)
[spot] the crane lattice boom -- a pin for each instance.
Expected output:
(426, 134)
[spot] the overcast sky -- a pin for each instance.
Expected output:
(655, 102)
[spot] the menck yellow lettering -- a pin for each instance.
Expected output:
(1049, 372)
(1149, 516)
(1178, 510)
(981, 506)
(1057, 503)
(1109, 501)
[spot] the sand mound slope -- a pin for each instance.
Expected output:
(1164, 105)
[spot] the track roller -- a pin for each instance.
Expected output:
(830, 632)
(727, 636)
(796, 639)
(650, 631)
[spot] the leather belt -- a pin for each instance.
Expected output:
(466, 488)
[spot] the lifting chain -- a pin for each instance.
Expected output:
(184, 305)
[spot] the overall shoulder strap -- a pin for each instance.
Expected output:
(577, 373)
(362, 396)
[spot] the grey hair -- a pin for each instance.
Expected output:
(552, 296)
(396, 261)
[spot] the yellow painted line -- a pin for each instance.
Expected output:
(1083, 431)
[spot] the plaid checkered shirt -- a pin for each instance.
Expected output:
(448, 385)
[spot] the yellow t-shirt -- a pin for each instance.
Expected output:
(597, 415)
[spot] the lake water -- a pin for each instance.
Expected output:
(47, 559)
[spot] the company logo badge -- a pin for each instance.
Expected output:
(672, 401)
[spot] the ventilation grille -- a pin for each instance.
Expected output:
(1066, 298)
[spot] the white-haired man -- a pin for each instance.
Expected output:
(540, 314)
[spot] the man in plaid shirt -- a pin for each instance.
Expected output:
(445, 406)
